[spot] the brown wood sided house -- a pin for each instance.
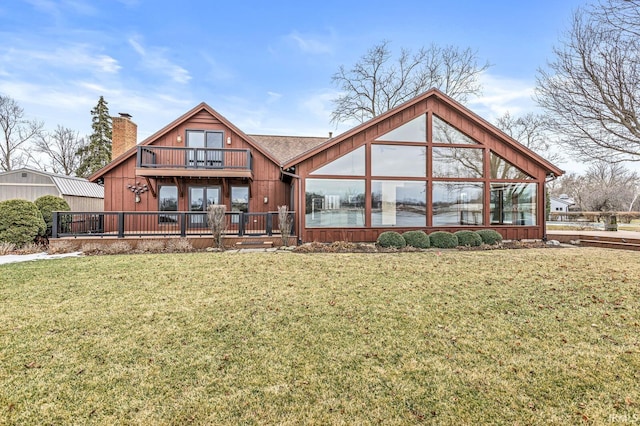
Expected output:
(428, 164)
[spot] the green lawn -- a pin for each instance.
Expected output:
(538, 336)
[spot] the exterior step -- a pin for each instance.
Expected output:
(254, 244)
(610, 244)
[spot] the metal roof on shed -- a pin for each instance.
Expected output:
(77, 187)
(67, 185)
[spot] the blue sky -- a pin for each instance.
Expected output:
(266, 66)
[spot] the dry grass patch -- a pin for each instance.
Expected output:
(508, 337)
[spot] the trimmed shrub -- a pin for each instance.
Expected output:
(391, 239)
(20, 222)
(443, 239)
(47, 204)
(490, 236)
(468, 238)
(119, 247)
(150, 246)
(417, 239)
(64, 246)
(180, 245)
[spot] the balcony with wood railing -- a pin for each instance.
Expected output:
(155, 161)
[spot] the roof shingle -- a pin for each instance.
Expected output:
(284, 148)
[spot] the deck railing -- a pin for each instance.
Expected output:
(193, 158)
(138, 224)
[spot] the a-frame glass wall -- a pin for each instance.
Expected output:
(388, 182)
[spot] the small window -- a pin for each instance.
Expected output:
(168, 202)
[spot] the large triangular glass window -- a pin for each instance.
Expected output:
(502, 169)
(350, 164)
(445, 133)
(412, 131)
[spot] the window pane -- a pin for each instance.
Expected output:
(398, 203)
(196, 199)
(398, 160)
(513, 203)
(351, 164)
(445, 133)
(334, 203)
(502, 169)
(195, 138)
(168, 198)
(168, 202)
(412, 131)
(458, 203)
(457, 162)
(240, 198)
(213, 195)
(214, 139)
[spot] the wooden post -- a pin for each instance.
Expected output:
(241, 224)
(120, 224)
(54, 226)
(269, 224)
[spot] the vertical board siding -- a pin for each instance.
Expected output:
(266, 181)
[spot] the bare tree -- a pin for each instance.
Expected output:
(217, 219)
(604, 187)
(377, 82)
(16, 132)
(592, 88)
(61, 147)
(285, 223)
(532, 131)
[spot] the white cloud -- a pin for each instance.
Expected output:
(501, 94)
(273, 97)
(59, 9)
(319, 104)
(309, 44)
(74, 57)
(154, 59)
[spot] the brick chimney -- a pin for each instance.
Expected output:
(124, 134)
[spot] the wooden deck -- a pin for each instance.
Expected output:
(625, 240)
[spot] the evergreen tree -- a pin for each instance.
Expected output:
(97, 153)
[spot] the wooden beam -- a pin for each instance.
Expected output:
(151, 189)
(180, 187)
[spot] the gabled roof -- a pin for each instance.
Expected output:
(183, 118)
(68, 185)
(284, 148)
(550, 168)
